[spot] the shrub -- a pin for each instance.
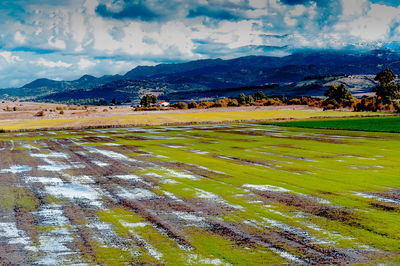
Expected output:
(61, 112)
(273, 101)
(205, 105)
(233, 102)
(193, 105)
(40, 113)
(105, 110)
(180, 105)
(294, 101)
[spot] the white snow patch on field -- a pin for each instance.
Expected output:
(50, 155)
(136, 193)
(54, 244)
(128, 177)
(57, 167)
(296, 231)
(330, 234)
(84, 179)
(112, 144)
(266, 188)
(9, 230)
(14, 236)
(174, 146)
(14, 169)
(288, 256)
(74, 191)
(101, 164)
(27, 146)
(154, 175)
(51, 215)
(202, 194)
(162, 179)
(133, 225)
(111, 154)
(194, 259)
(150, 249)
(44, 180)
(378, 198)
(199, 152)
(54, 247)
(172, 196)
(189, 217)
(177, 174)
(131, 177)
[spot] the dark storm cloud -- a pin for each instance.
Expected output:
(209, 47)
(135, 11)
(205, 11)
(321, 3)
(274, 36)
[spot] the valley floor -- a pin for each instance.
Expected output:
(106, 116)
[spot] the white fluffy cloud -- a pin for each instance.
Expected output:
(49, 63)
(9, 57)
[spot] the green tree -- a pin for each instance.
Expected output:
(242, 99)
(338, 95)
(259, 95)
(249, 100)
(147, 100)
(387, 89)
(153, 99)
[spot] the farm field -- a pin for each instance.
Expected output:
(377, 124)
(263, 113)
(201, 194)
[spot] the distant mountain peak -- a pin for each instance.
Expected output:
(42, 82)
(86, 78)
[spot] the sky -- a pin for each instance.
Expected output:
(65, 39)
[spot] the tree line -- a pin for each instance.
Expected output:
(337, 96)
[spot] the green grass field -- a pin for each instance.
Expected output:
(207, 194)
(375, 124)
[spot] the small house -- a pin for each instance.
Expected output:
(163, 104)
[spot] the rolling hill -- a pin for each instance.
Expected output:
(305, 73)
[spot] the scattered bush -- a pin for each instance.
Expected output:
(193, 105)
(233, 102)
(40, 113)
(205, 105)
(180, 105)
(61, 112)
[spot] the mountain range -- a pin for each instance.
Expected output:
(303, 73)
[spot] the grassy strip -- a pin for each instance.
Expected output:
(374, 124)
(172, 119)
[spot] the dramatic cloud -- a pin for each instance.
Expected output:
(67, 39)
(132, 11)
